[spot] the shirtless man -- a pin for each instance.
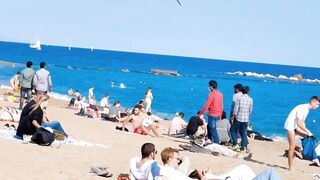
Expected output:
(136, 119)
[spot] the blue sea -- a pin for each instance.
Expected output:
(81, 68)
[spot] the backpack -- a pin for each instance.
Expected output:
(43, 137)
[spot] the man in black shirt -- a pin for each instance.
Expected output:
(194, 123)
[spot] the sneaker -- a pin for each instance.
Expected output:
(244, 150)
(236, 148)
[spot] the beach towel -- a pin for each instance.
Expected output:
(10, 134)
(309, 145)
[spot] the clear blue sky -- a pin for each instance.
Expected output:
(273, 31)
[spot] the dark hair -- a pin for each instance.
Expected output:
(148, 89)
(181, 114)
(245, 89)
(42, 64)
(139, 106)
(223, 115)
(238, 87)
(29, 64)
(18, 72)
(106, 95)
(198, 112)
(314, 98)
(141, 101)
(213, 84)
(116, 102)
(149, 113)
(147, 149)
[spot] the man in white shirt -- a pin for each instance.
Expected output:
(42, 80)
(104, 103)
(145, 168)
(235, 99)
(177, 125)
(295, 124)
(171, 160)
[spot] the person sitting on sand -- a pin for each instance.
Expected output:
(104, 103)
(177, 125)
(32, 116)
(256, 135)
(136, 119)
(193, 125)
(114, 112)
(145, 167)
(77, 94)
(70, 92)
(149, 125)
(223, 129)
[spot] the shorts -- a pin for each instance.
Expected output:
(136, 130)
(290, 126)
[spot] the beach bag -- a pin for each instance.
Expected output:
(43, 137)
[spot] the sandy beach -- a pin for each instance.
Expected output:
(31, 161)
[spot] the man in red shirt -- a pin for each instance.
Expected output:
(214, 105)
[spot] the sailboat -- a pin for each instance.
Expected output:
(36, 45)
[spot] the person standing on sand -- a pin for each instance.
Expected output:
(42, 80)
(235, 99)
(90, 94)
(295, 124)
(240, 118)
(214, 105)
(148, 99)
(25, 80)
(14, 81)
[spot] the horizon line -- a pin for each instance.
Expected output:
(171, 55)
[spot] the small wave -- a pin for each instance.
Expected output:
(279, 138)
(4, 87)
(60, 96)
(295, 78)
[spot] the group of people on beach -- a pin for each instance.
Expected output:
(176, 167)
(28, 81)
(140, 117)
(217, 130)
(33, 87)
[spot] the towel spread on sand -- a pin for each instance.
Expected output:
(11, 135)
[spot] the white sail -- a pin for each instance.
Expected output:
(36, 45)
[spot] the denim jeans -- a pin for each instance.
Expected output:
(212, 122)
(269, 173)
(23, 93)
(240, 127)
(54, 125)
(234, 130)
